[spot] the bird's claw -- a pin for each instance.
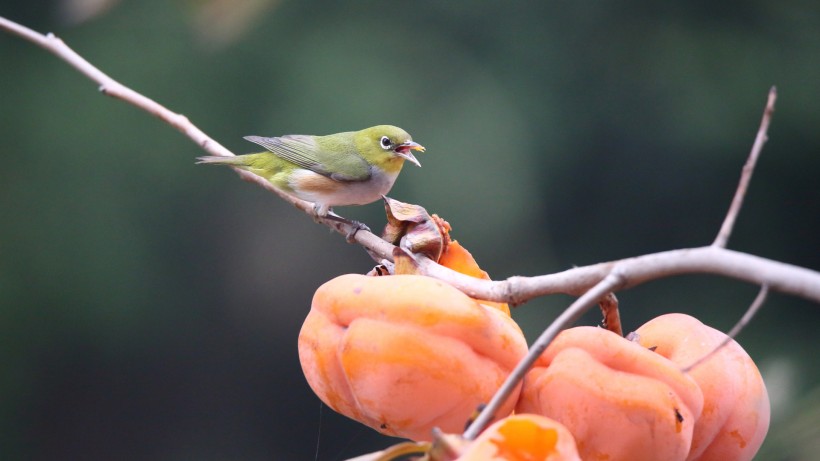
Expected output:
(357, 226)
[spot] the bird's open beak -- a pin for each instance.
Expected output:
(403, 150)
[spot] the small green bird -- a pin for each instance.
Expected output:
(351, 168)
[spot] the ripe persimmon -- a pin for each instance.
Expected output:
(625, 400)
(736, 411)
(406, 353)
(523, 437)
(619, 400)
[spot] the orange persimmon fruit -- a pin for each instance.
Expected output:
(619, 400)
(406, 353)
(736, 411)
(523, 437)
(626, 400)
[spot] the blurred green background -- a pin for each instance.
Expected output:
(149, 308)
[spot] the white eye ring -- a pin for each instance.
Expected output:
(386, 142)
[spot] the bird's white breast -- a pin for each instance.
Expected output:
(339, 193)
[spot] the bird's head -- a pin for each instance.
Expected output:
(386, 145)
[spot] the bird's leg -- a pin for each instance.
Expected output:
(319, 211)
(357, 225)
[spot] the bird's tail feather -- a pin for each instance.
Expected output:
(219, 160)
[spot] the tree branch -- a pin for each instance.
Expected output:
(746, 175)
(786, 278)
(110, 87)
(716, 260)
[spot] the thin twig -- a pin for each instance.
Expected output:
(746, 175)
(739, 326)
(110, 87)
(610, 283)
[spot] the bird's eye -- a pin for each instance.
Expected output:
(386, 142)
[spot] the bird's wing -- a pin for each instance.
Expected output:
(305, 152)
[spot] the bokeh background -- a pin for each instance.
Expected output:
(149, 308)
